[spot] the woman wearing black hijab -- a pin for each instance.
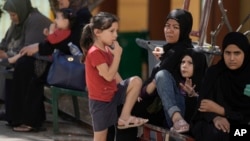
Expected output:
(177, 37)
(165, 76)
(199, 63)
(26, 27)
(23, 105)
(223, 103)
(25, 111)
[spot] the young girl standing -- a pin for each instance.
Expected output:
(105, 86)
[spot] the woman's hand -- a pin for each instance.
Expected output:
(221, 123)
(157, 52)
(29, 50)
(3, 54)
(211, 106)
(13, 59)
(188, 87)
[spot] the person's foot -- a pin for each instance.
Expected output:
(132, 121)
(180, 126)
(2, 115)
(26, 128)
(23, 128)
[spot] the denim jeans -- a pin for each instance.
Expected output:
(171, 97)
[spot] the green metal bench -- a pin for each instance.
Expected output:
(56, 92)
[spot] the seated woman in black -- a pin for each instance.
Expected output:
(223, 102)
(192, 67)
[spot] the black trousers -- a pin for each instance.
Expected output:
(25, 95)
(204, 131)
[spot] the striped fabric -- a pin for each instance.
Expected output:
(156, 133)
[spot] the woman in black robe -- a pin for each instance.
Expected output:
(222, 101)
(25, 107)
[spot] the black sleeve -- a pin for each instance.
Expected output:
(209, 116)
(46, 48)
(232, 115)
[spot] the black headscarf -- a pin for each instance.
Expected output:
(199, 70)
(225, 86)
(22, 8)
(185, 20)
(200, 67)
(174, 51)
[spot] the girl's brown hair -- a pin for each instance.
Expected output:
(102, 21)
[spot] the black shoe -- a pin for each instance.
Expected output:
(1, 101)
(2, 115)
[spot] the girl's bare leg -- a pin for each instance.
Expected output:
(101, 135)
(133, 91)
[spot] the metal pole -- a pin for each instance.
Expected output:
(204, 21)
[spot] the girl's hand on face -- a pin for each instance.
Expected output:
(52, 28)
(46, 31)
(157, 52)
(221, 123)
(117, 49)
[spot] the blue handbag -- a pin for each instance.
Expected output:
(67, 71)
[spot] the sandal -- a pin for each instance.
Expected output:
(131, 122)
(180, 126)
(26, 128)
(23, 128)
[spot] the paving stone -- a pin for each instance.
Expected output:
(69, 130)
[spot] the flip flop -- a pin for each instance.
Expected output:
(26, 128)
(22, 128)
(180, 126)
(131, 122)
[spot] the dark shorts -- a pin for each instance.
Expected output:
(104, 114)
